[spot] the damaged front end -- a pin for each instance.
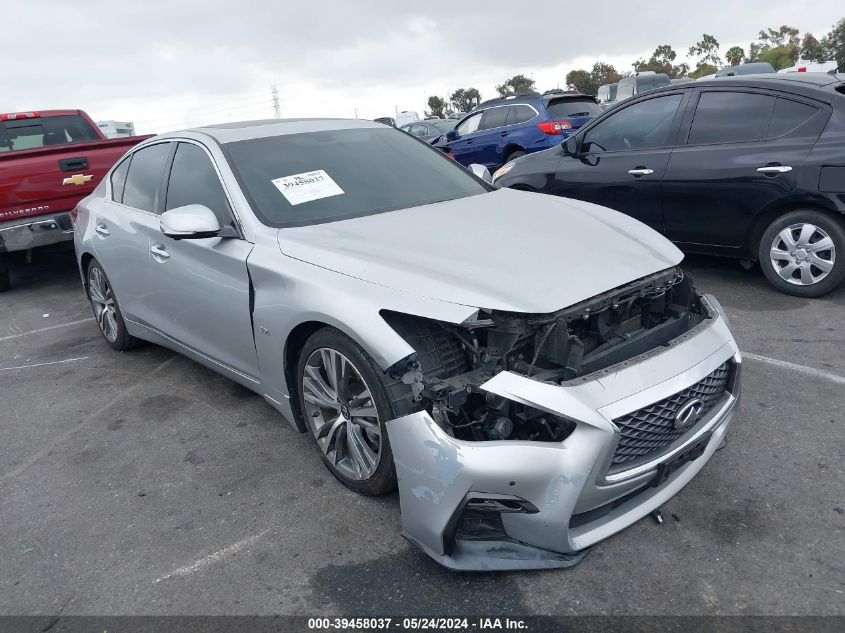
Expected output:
(531, 436)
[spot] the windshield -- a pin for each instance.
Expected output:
(315, 177)
(446, 125)
(571, 108)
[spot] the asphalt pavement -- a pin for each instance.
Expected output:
(143, 483)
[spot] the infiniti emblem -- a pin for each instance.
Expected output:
(688, 413)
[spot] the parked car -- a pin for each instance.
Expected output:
(750, 68)
(830, 67)
(431, 129)
(386, 120)
(531, 393)
(750, 166)
(639, 83)
(49, 161)
(607, 94)
(500, 130)
(405, 117)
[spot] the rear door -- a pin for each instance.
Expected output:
(742, 150)
(123, 224)
(201, 292)
(496, 124)
(623, 158)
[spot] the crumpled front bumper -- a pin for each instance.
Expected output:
(501, 505)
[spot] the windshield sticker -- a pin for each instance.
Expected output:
(312, 185)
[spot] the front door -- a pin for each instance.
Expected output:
(623, 159)
(467, 147)
(202, 289)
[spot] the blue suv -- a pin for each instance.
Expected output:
(500, 130)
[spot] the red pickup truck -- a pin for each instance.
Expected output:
(49, 161)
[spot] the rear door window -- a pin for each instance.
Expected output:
(495, 117)
(523, 113)
(730, 117)
(193, 180)
(144, 177)
(35, 133)
(572, 108)
(118, 179)
(788, 115)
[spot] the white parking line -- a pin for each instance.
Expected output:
(214, 557)
(44, 329)
(52, 362)
(802, 369)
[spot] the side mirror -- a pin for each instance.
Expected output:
(191, 222)
(451, 135)
(482, 172)
(570, 146)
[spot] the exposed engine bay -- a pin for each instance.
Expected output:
(452, 361)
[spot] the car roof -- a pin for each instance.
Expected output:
(772, 80)
(244, 130)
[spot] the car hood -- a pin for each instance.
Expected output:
(504, 250)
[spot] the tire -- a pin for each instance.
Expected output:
(5, 275)
(106, 309)
(331, 423)
(513, 156)
(799, 271)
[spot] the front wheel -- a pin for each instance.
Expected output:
(802, 253)
(345, 403)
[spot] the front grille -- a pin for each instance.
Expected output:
(652, 428)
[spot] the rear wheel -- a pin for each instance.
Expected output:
(106, 309)
(802, 253)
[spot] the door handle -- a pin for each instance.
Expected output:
(503, 133)
(641, 171)
(159, 253)
(774, 169)
(102, 230)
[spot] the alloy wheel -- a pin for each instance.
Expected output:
(802, 254)
(102, 300)
(342, 414)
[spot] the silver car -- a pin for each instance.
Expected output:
(536, 373)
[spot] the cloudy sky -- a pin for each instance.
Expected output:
(179, 63)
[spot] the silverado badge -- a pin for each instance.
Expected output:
(77, 179)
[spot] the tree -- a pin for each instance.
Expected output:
(779, 47)
(811, 49)
(581, 81)
(834, 44)
(517, 84)
(465, 99)
(588, 82)
(438, 106)
(707, 51)
(734, 56)
(702, 70)
(662, 61)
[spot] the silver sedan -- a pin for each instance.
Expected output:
(534, 373)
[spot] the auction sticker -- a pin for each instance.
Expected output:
(311, 185)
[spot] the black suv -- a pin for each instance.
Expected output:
(751, 167)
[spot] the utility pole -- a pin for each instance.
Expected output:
(277, 111)
(356, 113)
